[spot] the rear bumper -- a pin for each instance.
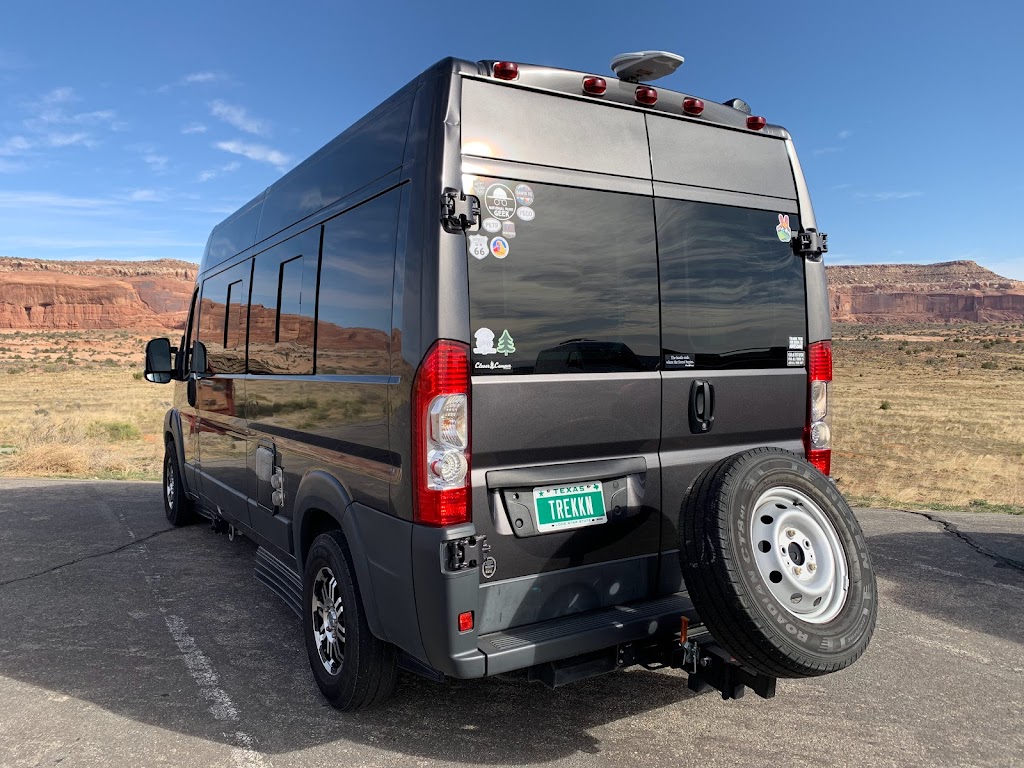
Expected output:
(564, 638)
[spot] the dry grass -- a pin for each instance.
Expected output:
(83, 418)
(930, 416)
(951, 434)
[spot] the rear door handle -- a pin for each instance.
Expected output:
(702, 406)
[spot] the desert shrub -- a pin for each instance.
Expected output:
(137, 375)
(115, 431)
(885, 406)
(989, 365)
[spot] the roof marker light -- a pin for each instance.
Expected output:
(595, 86)
(755, 123)
(692, 106)
(646, 95)
(506, 70)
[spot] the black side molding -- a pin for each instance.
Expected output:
(565, 473)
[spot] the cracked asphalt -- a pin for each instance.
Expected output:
(123, 643)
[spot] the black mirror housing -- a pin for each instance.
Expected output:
(159, 361)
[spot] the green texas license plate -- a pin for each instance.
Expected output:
(569, 506)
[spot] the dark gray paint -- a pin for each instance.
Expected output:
(699, 155)
(529, 127)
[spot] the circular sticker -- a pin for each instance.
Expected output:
(525, 213)
(492, 225)
(524, 194)
(499, 247)
(500, 202)
(489, 566)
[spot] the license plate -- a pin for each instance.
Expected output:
(569, 506)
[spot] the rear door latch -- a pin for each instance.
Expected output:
(459, 211)
(810, 244)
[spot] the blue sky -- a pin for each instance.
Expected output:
(127, 130)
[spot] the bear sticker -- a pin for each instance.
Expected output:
(484, 342)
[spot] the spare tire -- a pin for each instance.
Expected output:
(776, 565)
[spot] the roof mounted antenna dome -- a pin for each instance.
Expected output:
(644, 66)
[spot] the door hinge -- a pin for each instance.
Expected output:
(810, 244)
(467, 552)
(459, 211)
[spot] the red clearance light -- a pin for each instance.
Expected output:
(646, 95)
(692, 106)
(440, 436)
(595, 86)
(756, 123)
(506, 70)
(465, 621)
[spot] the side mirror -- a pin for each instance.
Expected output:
(159, 368)
(199, 365)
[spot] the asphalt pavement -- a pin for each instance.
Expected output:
(124, 643)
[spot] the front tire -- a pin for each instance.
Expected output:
(178, 507)
(777, 565)
(352, 668)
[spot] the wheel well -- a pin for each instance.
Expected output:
(314, 523)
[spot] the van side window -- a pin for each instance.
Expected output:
(223, 318)
(356, 276)
(282, 310)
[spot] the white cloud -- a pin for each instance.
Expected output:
(50, 113)
(259, 152)
(51, 200)
(883, 196)
(238, 117)
(145, 196)
(16, 145)
(79, 138)
(212, 173)
(845, 134)
(201, 77)
(193, 128)
(157, 163)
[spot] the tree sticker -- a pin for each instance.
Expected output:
(505, 344)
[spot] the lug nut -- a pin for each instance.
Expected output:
(790, 533)
(812, 567)
(798, 570)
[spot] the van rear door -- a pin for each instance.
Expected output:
(566, 395)
(733, 304)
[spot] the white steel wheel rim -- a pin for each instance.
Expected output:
(328, 620)
(799, 555)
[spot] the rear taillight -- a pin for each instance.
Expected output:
(440, 436)
(818, 432)
(506, 70)
(756, 123)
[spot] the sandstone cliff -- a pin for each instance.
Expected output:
(915, 293)
(60, 295)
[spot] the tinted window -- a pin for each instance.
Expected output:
(567, 281)
(283, 305)
(356, 276)
(732, 291)
(223, 319)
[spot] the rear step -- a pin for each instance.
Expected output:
(550, 641)
(281, 579)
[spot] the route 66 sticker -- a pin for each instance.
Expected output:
(478, 246)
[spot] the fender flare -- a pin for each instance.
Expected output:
(320, 490)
